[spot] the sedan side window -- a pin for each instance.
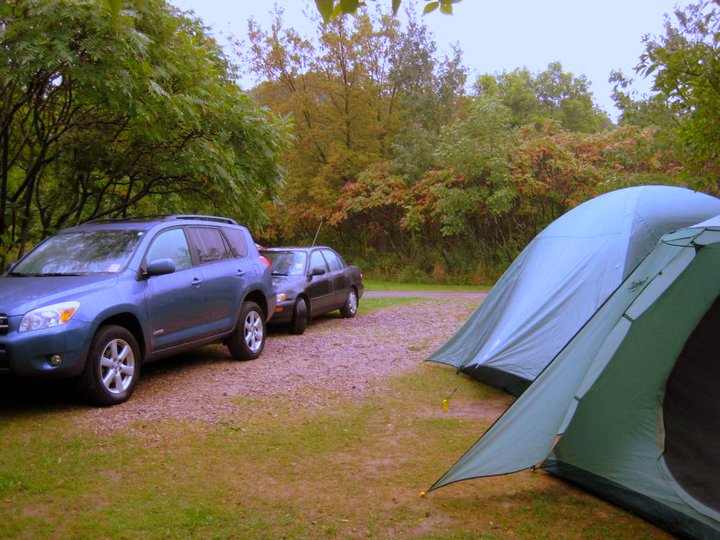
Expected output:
(208, 244)
(332, 260)
(317, 261)
(173, 245)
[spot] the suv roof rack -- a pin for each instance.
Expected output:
(166, 217)
(202, 217)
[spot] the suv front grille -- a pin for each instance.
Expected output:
(3, 324)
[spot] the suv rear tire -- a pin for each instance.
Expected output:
(248, 340)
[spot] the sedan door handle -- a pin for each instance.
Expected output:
(240, 273)
(196, 282)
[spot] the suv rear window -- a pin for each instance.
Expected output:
(238, 244)
(208, 244)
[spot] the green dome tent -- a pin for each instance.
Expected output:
(560, 279)
(629, 409)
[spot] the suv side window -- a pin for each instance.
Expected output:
(208, 244)
(332, 260)
(171, 244)
(317, 261)
(238, 245)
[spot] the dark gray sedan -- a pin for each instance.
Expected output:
(310, 281)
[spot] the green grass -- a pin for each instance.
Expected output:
(354, 469)
(371, 285)
(368, 305)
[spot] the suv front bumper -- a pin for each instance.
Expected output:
(30, 353)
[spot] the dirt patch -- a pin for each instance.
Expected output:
(488, 411)
(341, 358)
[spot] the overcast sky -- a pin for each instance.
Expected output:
(589, 38)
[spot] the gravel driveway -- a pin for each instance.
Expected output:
(340, 357)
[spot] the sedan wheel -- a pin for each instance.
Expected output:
(300, 316)
(248, 340)
(351, 305)
(112, 368)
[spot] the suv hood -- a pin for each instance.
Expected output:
(18, 295)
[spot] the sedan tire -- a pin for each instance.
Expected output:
(300, 317)
(112, 368)
(351, 305)
(248, 340)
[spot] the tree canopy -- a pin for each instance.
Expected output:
(407, 169)
(412, 172)
(549, 95)
(102, 116)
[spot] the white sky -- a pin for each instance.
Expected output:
(589, 38)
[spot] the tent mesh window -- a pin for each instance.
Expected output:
(691, 411)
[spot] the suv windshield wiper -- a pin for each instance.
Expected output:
(59, 274)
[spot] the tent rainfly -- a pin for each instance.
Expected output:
(629, 409)
(560, 279)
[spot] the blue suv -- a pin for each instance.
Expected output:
(99, 300)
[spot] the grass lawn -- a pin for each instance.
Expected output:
(275, 470)
(371, 285)
(369, 305)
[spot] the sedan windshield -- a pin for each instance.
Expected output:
(287, 263)
(80, 253)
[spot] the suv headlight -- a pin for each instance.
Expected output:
(48, 316)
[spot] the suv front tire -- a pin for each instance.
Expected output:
(112, 368)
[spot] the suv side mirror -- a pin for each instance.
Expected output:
(159, 267)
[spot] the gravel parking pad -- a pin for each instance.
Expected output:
(340, 357)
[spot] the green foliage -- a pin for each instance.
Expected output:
(479, 145)
(686, 65)
(332, 9)
(549, 95)
(445, 6)
(105, 115)
(414, 179)
(349, 92)
(684, 105)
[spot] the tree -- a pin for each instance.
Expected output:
(429, 94)
(490, 189)
(686, 65)
(550, 94)
(340, 93)
(101, 116)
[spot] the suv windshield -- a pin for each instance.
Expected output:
(287, 263)
(80, 253)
